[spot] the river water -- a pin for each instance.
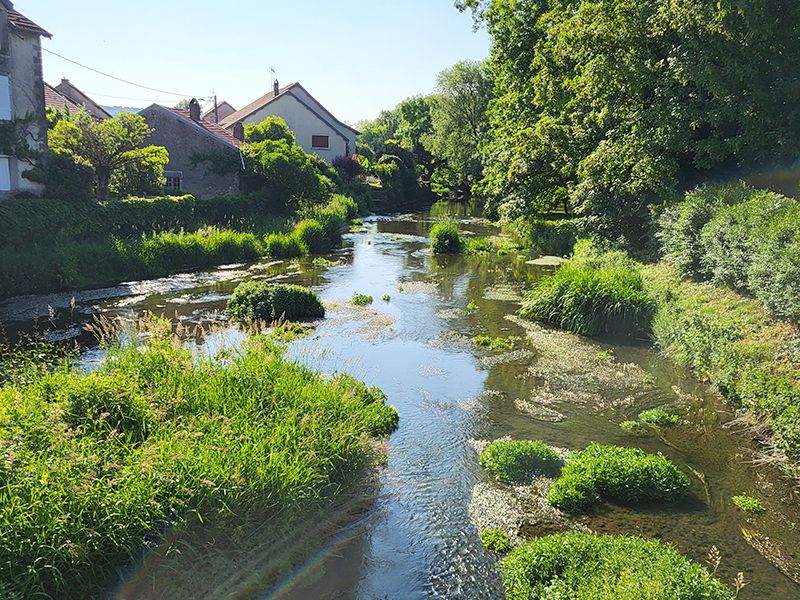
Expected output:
(417, 539)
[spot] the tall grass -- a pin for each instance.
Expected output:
(97, 466)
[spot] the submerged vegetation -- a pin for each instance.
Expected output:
(626, 475)
(159, 435)
(519, 461)
(750, 505)
(585, 566)
(269, 302)
(658, 416)
(494, 343)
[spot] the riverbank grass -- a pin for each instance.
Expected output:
(270, 302)
(446, 238)
(584, 566)
(519, 461)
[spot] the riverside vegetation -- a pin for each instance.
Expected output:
(159, 436)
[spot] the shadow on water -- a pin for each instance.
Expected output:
(416, 539)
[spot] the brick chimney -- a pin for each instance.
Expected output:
(238, 131)
(276, 88)
(194, 109)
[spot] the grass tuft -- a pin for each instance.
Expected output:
(446, 238)
(261, 301)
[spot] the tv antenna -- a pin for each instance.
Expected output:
(271, 75)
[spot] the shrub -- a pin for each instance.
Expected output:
(594, 297)
(257, 300)
(348, 166)
(585, 566)
(496, 540)
(551, 237)
(362, 300)
(519, 461)
(446, 239)
(749, 504)
(284, 245)
(310, 233)
(627, 475)
(658, 416)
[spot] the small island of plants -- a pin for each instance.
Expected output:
(519, 461)
(262, 301)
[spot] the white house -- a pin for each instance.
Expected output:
(316, 130)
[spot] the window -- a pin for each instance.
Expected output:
(323, 142)
(5, 98)
(173, 180)
(5, 173)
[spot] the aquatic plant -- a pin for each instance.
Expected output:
(387, 298)
(472, 307)
(586, 566)
(284, 245)
(750, 505)
(446, 238)
(658, 416)
(627, 475)
(519, 461)
(550, 237)
(633, 428)
(362, 299)
(323, 263)
(160, 435)
(261, 301)
(495, 343)
(311, 234)
(496, 540)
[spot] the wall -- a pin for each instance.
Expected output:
(183, 139)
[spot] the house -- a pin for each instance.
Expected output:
(316, 130)
(76, 100)
(188, 138)
(215, 114)
(21, 98)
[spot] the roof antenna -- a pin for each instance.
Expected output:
(271, 75)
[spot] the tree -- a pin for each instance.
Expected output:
(271, 128)
(459, 124)
(107, 146)
(615, 104)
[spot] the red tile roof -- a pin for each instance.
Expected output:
(54, 98)
(20, 21)
(209, 126)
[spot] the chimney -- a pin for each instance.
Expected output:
(238, 131)
(276, 88)
(194, 109)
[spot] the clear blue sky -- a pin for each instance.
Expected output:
(357, 57)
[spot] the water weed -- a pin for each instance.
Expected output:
(658, 416)
(750, 505)
(495, 343)
(496, 540)
(519, 461)
(261, 301)
(446, 238)
(362, 299)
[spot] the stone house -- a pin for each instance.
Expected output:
(222, 110)
(67, 97)
(188, 138)
(21, 98)
(316, 130)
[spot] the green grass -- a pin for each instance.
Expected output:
(496, 541)
(658, 416)
(284, 245)
(98, 466)
(494, 343)
(261, 301)
(311, 234)
(750, 505)
(625, 475)
(585, 566)
(362, 299)
(519, 461)
(446, 238)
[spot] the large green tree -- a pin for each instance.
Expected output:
(114, 147)
(611, 105)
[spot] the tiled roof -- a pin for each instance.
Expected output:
(20, 21)
(52, 97)
(220, 107)
(255, 105)
(212, 128)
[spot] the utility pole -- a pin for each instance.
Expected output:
(216, 110)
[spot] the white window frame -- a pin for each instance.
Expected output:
(8, 161)
(8, 113)
(327, 147)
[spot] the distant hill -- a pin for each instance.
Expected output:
(115, 110)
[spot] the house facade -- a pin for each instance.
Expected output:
(22, 104)
(217, 113)
(187, 138)
(316, 130)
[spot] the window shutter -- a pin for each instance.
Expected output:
(5, 98)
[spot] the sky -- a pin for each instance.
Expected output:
(356, 57)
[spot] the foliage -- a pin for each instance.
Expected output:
(387, 298)
(519, 461)
(283, 245)
(64, 177)
(750, 505)
(159, 435)
(496, 540)
(261, 301)
(380, 420)
(145, 177)
(108, 146)
(348, 166)
(587, 566)
(494, 343)
(362, 299)
(633, 428)
(549, 237)
(311, 234)
(616, 104)
(658, 416)
(271, 128)
(627, 475)
(446, 238)
(594, 295)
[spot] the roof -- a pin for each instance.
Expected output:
(208, 126)
(270, 97)
(52, 97)
(220, 106)
(19, 21)
(67, 89)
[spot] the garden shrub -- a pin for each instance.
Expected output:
(519, 461)
(258, 300)
(311, 235)
(658, 416)
(627, 475)
(586, 566)
(496, 540)
(284, 245)
(446, 239)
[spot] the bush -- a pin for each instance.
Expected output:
(446, 239)
(311, 234)
(284, 245)
(658, 416)
(585, 566)
(519, 461)
(627, 475)
(496, 541)
(749, 505)
(64, 177)
(594, 296)
(257, 300)
(550, 237)
(348, 166)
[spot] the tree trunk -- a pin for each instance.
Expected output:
(566, 206)
(103, 182)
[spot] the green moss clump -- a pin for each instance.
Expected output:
(519, 461)
(261, 301)
(585, 566)
(284, 245)
(362, 300)
(446, 239)
(658, 416)
(749, 504)
(627, 475)
(496, 540)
